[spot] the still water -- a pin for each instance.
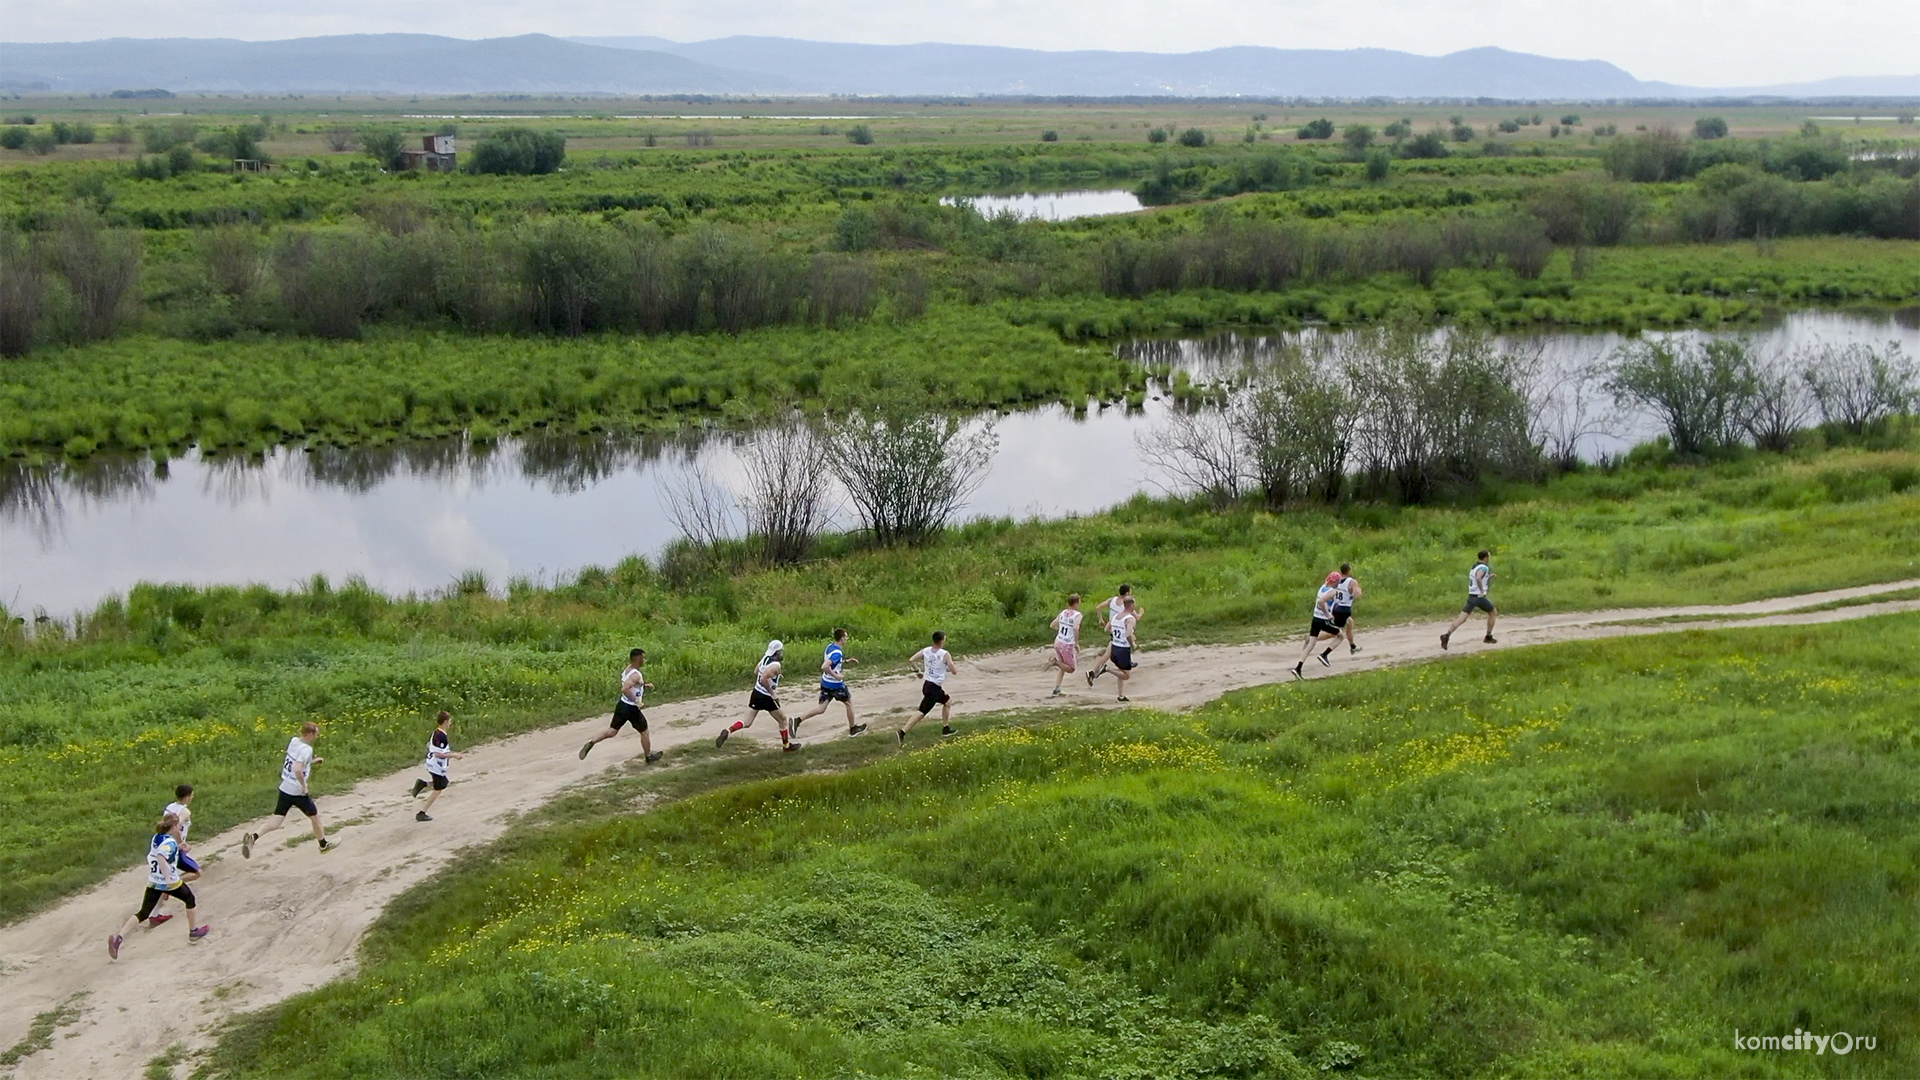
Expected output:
(1050, 205)
(413, 518)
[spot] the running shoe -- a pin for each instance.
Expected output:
(422, 816)
(903, 736)
(421, 785)
(722, 740)
(791, 747)
(1324, 662)
(246, 844)
(1092, 675)
(328, 845)
(199, 932)
(1122, 700)
(948, 731)
(1351, 649)
(1056, 691)
(793, 726)
(583, 753)
(1300, 670)
(656, 756)
(1443, 641)
(855, 730)
(113, 946)
(1489, 639)
(158, 919)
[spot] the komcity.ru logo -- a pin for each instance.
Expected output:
(1839, 1042)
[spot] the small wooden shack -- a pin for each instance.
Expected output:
(435, 155)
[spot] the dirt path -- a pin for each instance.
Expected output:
(291, 918)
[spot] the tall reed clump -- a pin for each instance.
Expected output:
(23, 288)
(100, 269)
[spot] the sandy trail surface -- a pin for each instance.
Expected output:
(290, 918)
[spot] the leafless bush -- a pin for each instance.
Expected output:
(1857, 385)
(234, 257)
(101, 268)
(910, 295)
(1780, 406)
(1198, 452)
(23, 285)
(908, 472)
(341, 139)
(786, 495)
(701, 507)
(1565, 405)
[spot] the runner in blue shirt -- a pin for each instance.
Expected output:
(833, 683)
(163, 879)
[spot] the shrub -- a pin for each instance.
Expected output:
(1439, 415)
(784, 492)
(14, 138)
(860, 135)
(1157, 135)
(383, 144)
(1194, 137)
(1316, 129)
(1780, 407)
(1585, 208)
(1658, 155)
(518, 151)
(1399, 129)
(181, 160)
(1856, 385)
(1702, 392)
(1049, 135)
(1379, 163)
(1357, 137)
(907, 471)
(1433, 144)
(329, 281)
(1710, 127)
(22, 288)
(101, 269)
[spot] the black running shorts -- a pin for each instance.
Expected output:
(1323, 626)
(1341, 615)
(439, 781)
(760, 702)
(834, 693)
(1121, 656)
(1474, 603)
(628, 713)
(152, 899)
(931, 694)
(302, 803)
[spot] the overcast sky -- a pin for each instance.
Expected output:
(1697, 42)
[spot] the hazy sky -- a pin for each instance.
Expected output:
(1698, 42)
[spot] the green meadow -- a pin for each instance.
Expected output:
(173, 683)
(1602, 858)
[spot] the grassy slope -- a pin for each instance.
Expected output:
(203, 685)
(1596, 859)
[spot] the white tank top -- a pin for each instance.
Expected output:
(1122, 628)
(1477, 579)
(1323, 601)
(639, 690)
(1069, 627)
(762, 682)
(937, 661)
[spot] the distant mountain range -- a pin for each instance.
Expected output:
(538, 64)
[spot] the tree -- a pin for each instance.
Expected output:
(1857, 385)
(1780, 405)
(907, 471)
(1193, 136)
(1297, 426)
(1199, 453)
(1702, 393)
(1379, 162)
(518, 151)
(383, 144)
(784, 492)
(1710, 127)
(1316, 129)
(1357, 137)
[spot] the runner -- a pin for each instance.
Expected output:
(1066, 641)
(1322, 627)
(189, 870)
(1345, 594)
(833, 683)
(626, 709)
(766, 680)
(1120, 647)
(934, 663)
(295, 773)
(439, 749)
(163, 879)
(1110, 609)
(1479, 585)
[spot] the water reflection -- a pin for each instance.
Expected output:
(1050, 205)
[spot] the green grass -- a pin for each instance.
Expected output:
(1589, 859)
(205, 685)
(39, 1034)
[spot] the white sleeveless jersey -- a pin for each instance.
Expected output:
(163, 862)
(938, 663)
(763, 682)
(638, 691)
(1069, 633)
(298, 754)
(1478, 579)
(1343, 593)
(1323, 603)
(1116, 607)
(179, 810)
(438, 751)
(1122, 628)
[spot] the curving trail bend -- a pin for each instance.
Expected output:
(290, 919)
